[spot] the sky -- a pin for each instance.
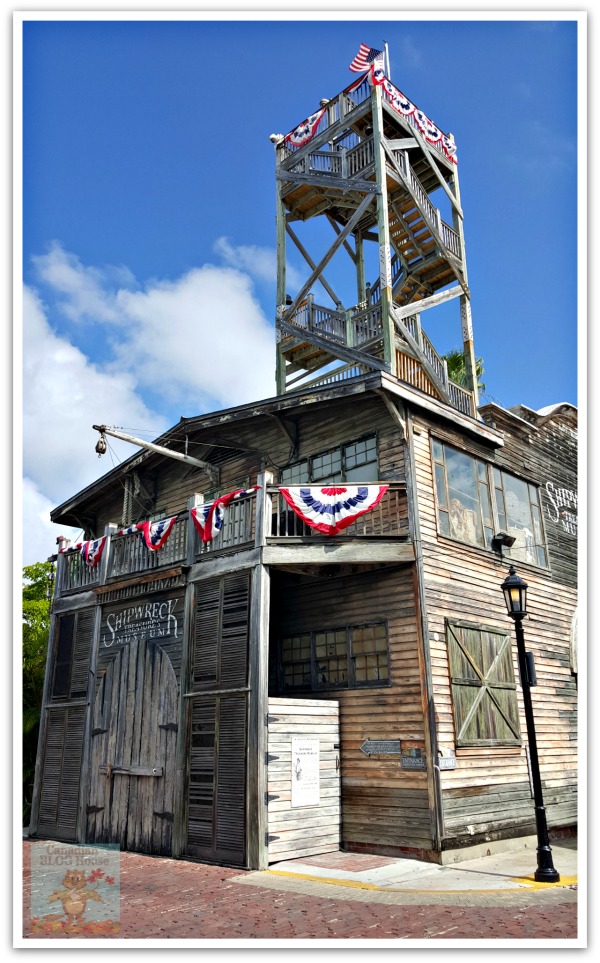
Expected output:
(148, 214)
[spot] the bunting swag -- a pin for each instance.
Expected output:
(209, 518)
(91, 551)
(306, 130)
(330, 510)
(403, 106)
(155, 534)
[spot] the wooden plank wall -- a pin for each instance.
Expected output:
(384, 808)
(318, 427)
(305, 830)
(488, 792)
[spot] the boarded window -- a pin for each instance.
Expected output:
(484, 693)
(347, 657)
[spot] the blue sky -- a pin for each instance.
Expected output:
(149, 213)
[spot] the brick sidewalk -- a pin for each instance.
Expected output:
(175, 899)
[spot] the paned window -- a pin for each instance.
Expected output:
(484, 694)
(463, 496)
(518, 510)
(348, 657)
(355, 462)
(476, 500)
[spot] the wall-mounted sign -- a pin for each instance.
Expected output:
(155, 618)
(413, 762)
(306, 762)
(375, 747)
(447, 762)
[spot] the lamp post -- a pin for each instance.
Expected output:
(515, 596)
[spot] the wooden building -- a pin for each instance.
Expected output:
(274, 690)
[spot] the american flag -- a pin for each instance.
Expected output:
(365, 57)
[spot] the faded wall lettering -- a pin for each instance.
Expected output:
(562, 507)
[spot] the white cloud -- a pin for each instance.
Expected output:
(259, 262)
(201, 341)
(40, 541)
(83, 288)
(64, 394)
(195, 344)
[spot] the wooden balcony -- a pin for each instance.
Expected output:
(360, 327)
(126, 556)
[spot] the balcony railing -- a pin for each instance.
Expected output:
(389, 519)
(126, 556)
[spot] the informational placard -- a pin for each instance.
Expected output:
(306, 761)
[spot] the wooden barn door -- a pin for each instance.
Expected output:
(132, 760)
(216, 803)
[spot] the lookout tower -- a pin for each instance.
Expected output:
(369, 162)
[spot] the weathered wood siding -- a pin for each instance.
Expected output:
(384, 808)
(302, 830)
(488, 792)
(167, 484)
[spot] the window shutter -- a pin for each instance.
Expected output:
(221, 632)
(61, 772)
(483, 686)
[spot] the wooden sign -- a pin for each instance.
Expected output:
(140, 621)
(306, 763)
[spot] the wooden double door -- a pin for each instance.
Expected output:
(133, 750)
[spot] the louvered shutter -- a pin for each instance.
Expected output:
(61, 772)
(217, 779)
(65, 726)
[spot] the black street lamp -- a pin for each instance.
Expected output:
(515, 596)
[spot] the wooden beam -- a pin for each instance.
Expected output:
(430, 302)
(391, 407)
(362, 207)
(326, 180)
(334, 553)
(312, 265)
(337, 349)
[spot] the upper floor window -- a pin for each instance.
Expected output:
(355, 462)
(475, 500)
(342, 658)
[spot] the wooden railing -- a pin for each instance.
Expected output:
(366, 324)
(320, 320)
(238, 529)
(129, 554)
(389, 519)
(337, 108)
(411, 371)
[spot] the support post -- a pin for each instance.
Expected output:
(465, 304)
(383, 229)
(259, 687)
(281, 277)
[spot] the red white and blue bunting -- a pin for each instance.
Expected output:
(90, 551)
(155, 534)
(209, 518)
(403, 106)
(306, 130)
(332, 509)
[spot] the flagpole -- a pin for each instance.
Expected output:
(387, 60)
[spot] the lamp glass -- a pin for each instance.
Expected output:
(515, 593)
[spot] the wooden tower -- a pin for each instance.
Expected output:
(368, 161)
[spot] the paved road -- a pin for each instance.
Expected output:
(165, 899)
